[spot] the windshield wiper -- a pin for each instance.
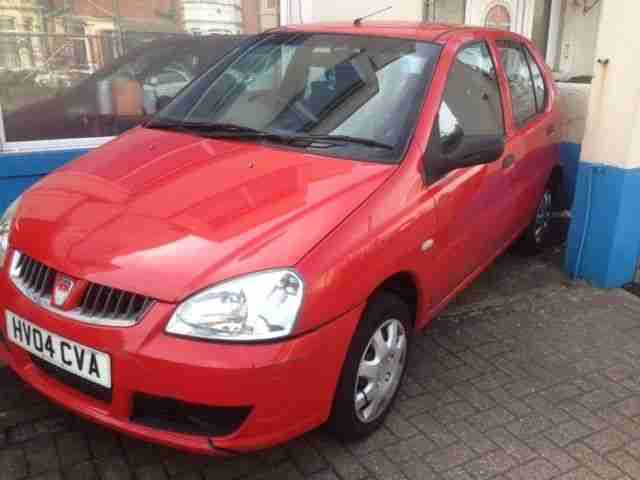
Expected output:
(341, 140)
(230, 130)
(203, 126)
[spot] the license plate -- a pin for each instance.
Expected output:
(71, 356)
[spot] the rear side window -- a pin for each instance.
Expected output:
(539, 86)
(471, 103)
(523, 95)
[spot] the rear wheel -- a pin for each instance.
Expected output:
(374, 368)
(535, 237)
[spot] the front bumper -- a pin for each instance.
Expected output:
(289, 385)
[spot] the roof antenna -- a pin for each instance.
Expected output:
(358, 21)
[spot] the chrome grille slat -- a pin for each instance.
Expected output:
(100, 304)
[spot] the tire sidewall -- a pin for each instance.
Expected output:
(343, 420)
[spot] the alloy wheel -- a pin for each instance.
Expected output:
(543, 217)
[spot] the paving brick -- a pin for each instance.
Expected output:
(412, 448)
(492, 418)
(491, 464)
(13, 464)
(510, 444)
(450, 457)
(597, 399)
(568, 432)
(626, 463)
(42, 456)
(113, 469)
(231, 468)
(593, 461)
(606, 440)
(434, 430)
(344, 463)
(472, 437)
(307, 459)
(399, 426)
(82, 471)
(418, 470)
(539, 469)
(72, 448)
(381, 467)
(47, 476)
(547, 450)
(151, 472)
(630, 407)
(526, 427)
(579, 474)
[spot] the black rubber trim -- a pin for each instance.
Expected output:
(188, 418)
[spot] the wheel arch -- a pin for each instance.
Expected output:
(405, 285)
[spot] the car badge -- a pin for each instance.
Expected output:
(62, 289)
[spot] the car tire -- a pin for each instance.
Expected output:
(536, 236)
(373, 369)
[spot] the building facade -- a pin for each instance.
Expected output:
(564, 30)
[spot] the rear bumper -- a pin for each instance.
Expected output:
(288, 385)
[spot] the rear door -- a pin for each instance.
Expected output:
(535, 130)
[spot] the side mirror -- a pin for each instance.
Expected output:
(469, 151)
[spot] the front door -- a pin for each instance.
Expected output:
(469, 200)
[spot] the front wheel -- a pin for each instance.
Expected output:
(374, 368)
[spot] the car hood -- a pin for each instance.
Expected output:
(166, 214)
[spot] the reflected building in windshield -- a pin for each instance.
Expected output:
(61, 60)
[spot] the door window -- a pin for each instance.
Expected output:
(521, 86)
(539, 86)
(471, 104)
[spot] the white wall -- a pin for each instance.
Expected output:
(575, 99)
(346, 10)
(578, 39)
(613, 124)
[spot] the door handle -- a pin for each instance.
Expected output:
(551, 129)
(508, 161)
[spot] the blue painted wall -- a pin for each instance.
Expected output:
(604, 238)
(19, 171)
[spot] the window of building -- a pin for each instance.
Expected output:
(498, 17)
(471, 104)
(523, 96)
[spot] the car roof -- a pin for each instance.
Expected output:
(425, 31)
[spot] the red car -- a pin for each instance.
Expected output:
(254, 262)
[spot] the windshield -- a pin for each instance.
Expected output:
(361, 88)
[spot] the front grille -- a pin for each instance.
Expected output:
(111, 303)
(74, 381)
(34, 277)
(181, 417)
(100, 304)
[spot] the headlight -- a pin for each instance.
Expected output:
(6, 223)
(260, 306)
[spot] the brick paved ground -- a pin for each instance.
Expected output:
(528, 376)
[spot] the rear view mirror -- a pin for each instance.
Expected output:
(469, 151)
